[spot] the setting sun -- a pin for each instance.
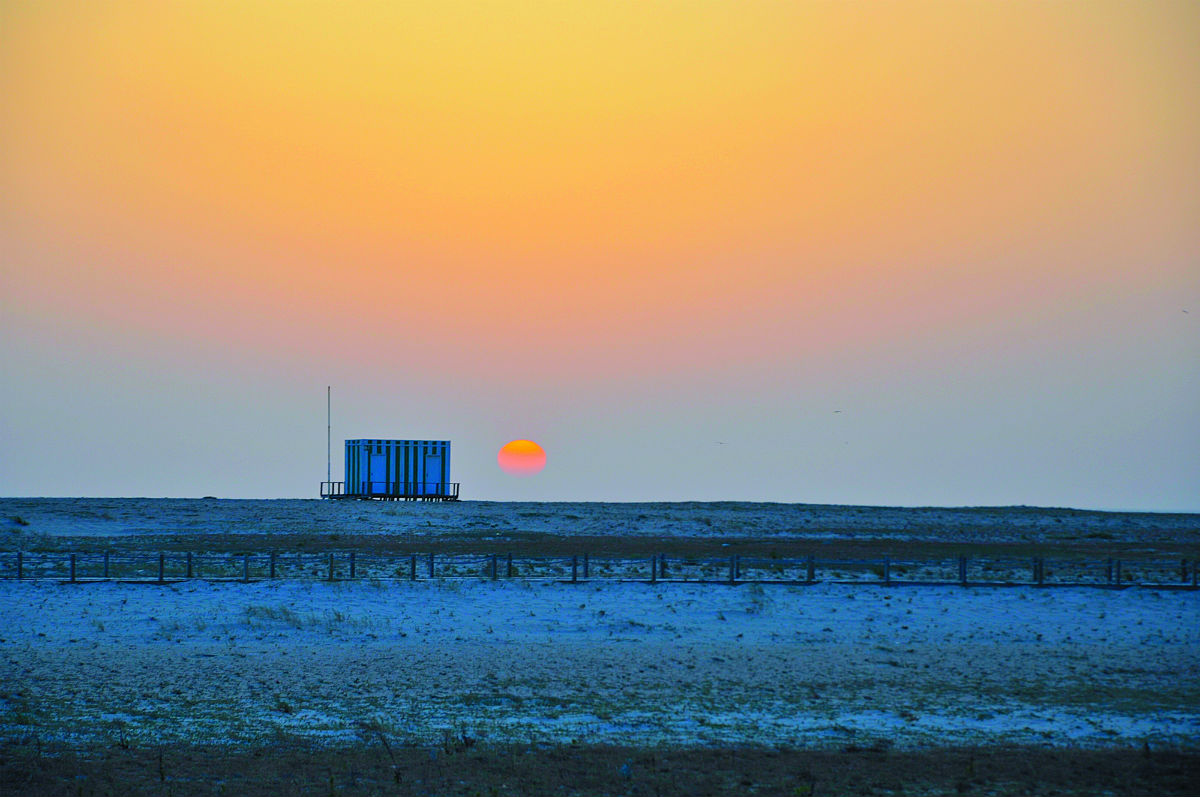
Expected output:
(521, 457)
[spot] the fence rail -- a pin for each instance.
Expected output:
(149, 567)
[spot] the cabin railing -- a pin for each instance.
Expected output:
(441, 491)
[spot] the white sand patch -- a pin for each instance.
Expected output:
(681, 663)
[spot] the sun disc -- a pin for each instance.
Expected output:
(521, 457)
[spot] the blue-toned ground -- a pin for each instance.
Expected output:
(100, 517)
(550, 667)
(676, 664)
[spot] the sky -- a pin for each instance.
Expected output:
(885, 253)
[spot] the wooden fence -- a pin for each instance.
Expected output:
(146, 567)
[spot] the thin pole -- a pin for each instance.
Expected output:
(328, 433)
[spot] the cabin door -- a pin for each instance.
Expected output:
(378, 477)
(433, 476)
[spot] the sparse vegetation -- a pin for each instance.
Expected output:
(756, 598)
(283, 614)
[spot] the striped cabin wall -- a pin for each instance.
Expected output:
(397, 467)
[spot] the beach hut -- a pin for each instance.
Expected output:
(395, 470)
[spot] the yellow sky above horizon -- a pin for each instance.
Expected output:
(587, 188)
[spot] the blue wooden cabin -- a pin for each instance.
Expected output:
(395, 470)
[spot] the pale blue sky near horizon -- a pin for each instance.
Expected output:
(1063, 426)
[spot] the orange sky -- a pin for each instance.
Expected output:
(518, 194)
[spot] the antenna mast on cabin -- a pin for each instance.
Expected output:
(328, 438)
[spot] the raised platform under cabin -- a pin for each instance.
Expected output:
(395, 470)
(411, 492)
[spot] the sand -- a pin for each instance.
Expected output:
(678, 664)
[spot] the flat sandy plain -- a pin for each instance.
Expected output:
(517, 686)
(151, 518)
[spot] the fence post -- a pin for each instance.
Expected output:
(509, 569)
(246, 567)
(732, 570)
(737, 566)
(412, 567)
(962, 570)
(161, 562)
(20, 565)
(1108, 570)
(1041, 571)
(431, 564)
(586, 563)
(272, 564)
(352, 564)
(1183, 571)
(1118, 572)
(189, 564)
(331, 567)
(887, 570)
(493, 567)
(662, 565)
(106, 564)
(72, 568)
(654, 568)
(812, 570)
(574, 569)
